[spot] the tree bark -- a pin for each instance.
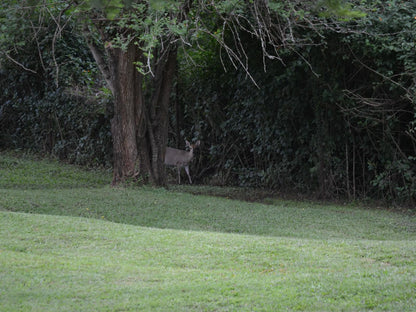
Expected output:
(128, 111)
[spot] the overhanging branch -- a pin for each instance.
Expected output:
(99, 59)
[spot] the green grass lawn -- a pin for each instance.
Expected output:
(69, 242)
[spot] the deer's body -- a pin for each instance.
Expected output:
(180, 158)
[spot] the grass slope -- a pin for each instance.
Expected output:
(156, 250)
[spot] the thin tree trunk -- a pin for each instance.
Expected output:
(158, 117)
(179, 117)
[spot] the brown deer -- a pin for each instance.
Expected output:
(181, 158)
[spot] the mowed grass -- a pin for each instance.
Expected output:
(69, 242)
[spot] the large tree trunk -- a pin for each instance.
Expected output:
(139, 129)
(128, 111)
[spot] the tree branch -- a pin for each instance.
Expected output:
(20, 64)
(99, 59)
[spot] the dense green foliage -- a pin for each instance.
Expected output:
(336, 116)
(52, 101)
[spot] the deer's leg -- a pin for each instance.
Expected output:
(187, 172)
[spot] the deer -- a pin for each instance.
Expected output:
(181, 158)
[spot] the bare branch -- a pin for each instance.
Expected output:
(381, 75)
(57, 35)
(99, 59)
(19, 64)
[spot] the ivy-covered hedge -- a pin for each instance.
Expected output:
(52, 102)
(338, 118)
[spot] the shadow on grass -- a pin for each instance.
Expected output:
(48, 187)
(160, 208)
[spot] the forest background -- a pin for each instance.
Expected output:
(313, 97)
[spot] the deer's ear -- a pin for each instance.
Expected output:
(187, 143)
(197, 143)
